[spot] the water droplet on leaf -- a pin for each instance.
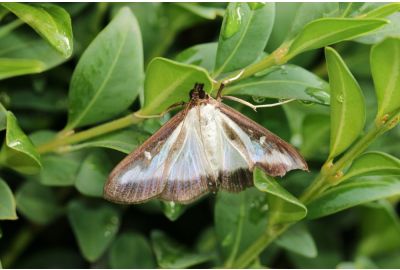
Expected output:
(319, 95)
(227, 240)
(258, 99)
(233, 21)
(340, 98)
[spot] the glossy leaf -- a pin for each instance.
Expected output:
(168, 82)
(37, 203)
(373, 163)
(21, 53)
(298, 240)
(385, 69)
(7, 202)
(59, 170)
(347, 104)
(315, 137)
(326, 31)
(284, 82)
(203, 11)
(3, 117)
(131, 250)
(382, 11)
(50, 21)
(173, 210)
(109, 74)
(283, 206)
(94, 227)
(239, 221)
(124, 141)
(93, 173)
(18, 151)
(353, 193)
(202, 55)
(170, 254)
(244, 34)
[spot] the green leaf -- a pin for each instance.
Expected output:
(347, 104)
(3, 117)
(18, 151)
(168, 82)
(59, 170)
(385, 62)
(93, 173)
(283, 206)
(94, 227)
(326, 31)
(14, 67)
(173, 210)
(202, 55)
(209, 13)
(380, 229)
(392, 29)
(124, 141)
(109, 74)
(7, 202)
(353, 193)
(170, 254)
(284, 82)
(239, 221)
(131, 250)
(244, 34)
(382, 11)
(315, 137)
(373, 163)
(38, 203)
(50, 21)
(298, 240)
(26, 54)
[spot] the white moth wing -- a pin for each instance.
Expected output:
(189, 171)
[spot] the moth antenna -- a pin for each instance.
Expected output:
(255, 107)
(237, 76)
(173, 106)
(219, 93)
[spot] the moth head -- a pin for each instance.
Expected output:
(198, 92)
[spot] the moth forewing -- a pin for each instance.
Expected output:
(206, 147)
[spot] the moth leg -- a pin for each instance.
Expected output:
(170, 108)
(255, 107)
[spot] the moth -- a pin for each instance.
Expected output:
(206, 147)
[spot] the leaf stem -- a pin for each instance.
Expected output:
(90, 133)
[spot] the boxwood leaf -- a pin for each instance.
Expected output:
(92, 173)
(59, 170)
(244, 34)
(353, 193)
(94, 227)
(3, 117)
(283, 206)
(373, 163)
(239, 221)
(168, 82)
(18, 151)
(326, 31)
(109, 74)
(131, 250)
(382, 11)
(385, 63)
(7, 202)
(284, 82)
(21, 54)
(50, 21)
(203, 11)
(315, 136)
(202, 55)
(124, 141)
(37, 202)
(298, 240)
(170, 254)
(347, 104)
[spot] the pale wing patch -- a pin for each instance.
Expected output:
(259, 151)
(143, 178)
(189, 173)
